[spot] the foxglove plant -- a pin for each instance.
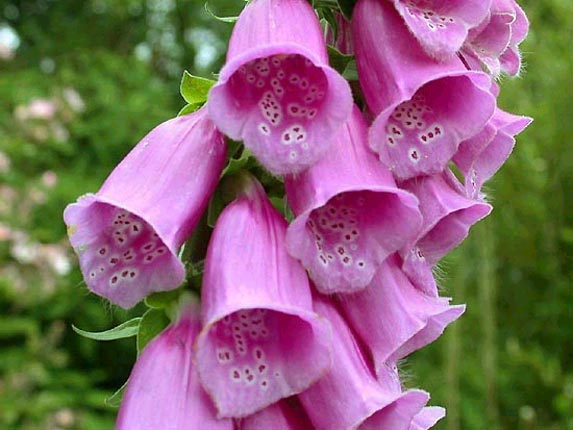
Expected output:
(349, 395)
(442, 27)
(495, 42)
(448, 215)
(261, 340)
(350, 215)
(163, 391)
(303, 325)
(277, 92)
(127, 235)
(424, 109)
(393, 318)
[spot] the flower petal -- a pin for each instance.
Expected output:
(261, 341)
(349, 396)
(163, 391)
(349, 214)
(276, 91)
(126, 241)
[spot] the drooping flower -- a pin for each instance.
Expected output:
(427, 418)
(286, 414)
(163, 391)
(424, 109)
(393, 318)
(349, 395)
(350, 215)
(261, 339)
(481, 156)
(495, 42)
(441, 27)
(276, 91)
(128, 234)
(448, 216)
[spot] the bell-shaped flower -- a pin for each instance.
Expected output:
(349, 396)
(277, 92)
(287, 414)
(481, 156)
(495, 42)
(163, 391)
(128, 234)
(350, 215)
(393, 318)
(441, 27)
(261, 339)
(423, 109)
(448, 216)
(427, 418)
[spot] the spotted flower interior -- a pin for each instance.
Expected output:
(258, 356)
(349, 237)
(284, 94)
(122, 256)
(421, 135)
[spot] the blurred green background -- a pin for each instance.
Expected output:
(83, 81)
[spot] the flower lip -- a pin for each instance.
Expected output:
(414, 160)
(281, 121)
(123, 251)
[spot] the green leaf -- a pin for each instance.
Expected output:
(245, 161)
(195, 89)
(346, 7)
(115, 399)
(163, 299)
(338, 60)
(122, 331)
(189, 108)
(350, 73)
(152, 323)
(228, 19)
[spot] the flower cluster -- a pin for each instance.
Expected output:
(302, 322)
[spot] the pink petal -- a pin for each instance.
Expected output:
(261, 339)
(423, 109)
(127, 242)
(393, 318)
(276, 91)
(163, 391)
(287, 414)
(441, 27)
(349, 396)
(349, 214)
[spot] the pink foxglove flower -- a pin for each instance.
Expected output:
(349, 396)
(427, 418)
(261, 339)
(349, 213)
(163, 391)
(481, 156)
(424, 109)
(440, 26)
(495, 42)
(128, 234)
(448, 216)
(276, 91)
(286, 414)
(393, 318)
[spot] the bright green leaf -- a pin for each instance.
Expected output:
(122, 331)
(163, 299)
(195, 89)
(228, 19)
(189, 108)
(152, 323)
